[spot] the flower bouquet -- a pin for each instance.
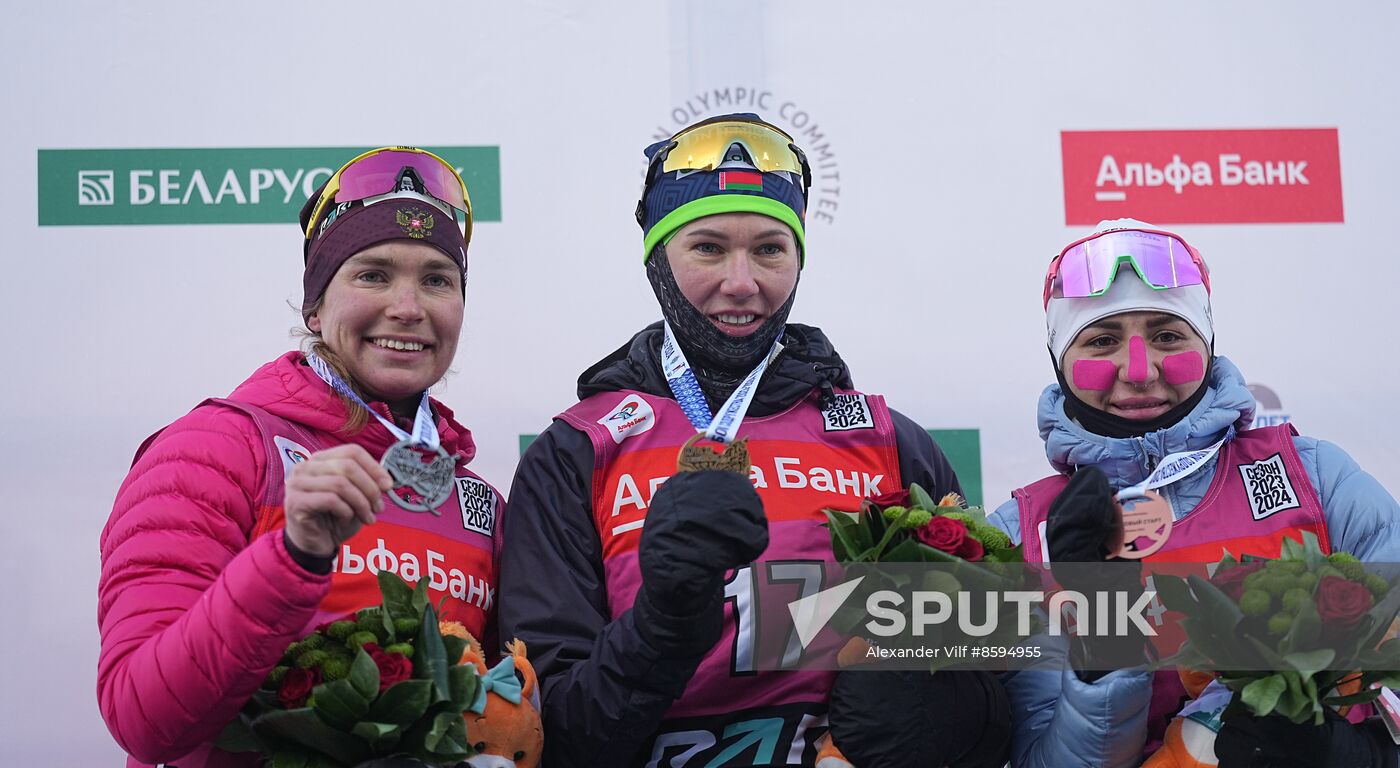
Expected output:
(960, 554)
(909, 527)
(386, 681)
(1286, 635)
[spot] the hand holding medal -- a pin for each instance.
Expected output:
(331, 495)
(420, 470)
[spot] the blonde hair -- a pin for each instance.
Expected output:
(357, 418)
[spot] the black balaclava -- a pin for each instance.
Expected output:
(720, 361)
(1106, 424)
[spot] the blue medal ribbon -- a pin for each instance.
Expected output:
(720, 428)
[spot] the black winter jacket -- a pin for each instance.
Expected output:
(604, 691)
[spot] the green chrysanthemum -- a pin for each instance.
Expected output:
(989, 535)
(1377, 584)
(335, 668)
(917, 518)
(357, 640)
(339, 630)
(274, 678)
(1294, 598)
(312, 659)
(1255, 602)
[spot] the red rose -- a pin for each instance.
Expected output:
(296, 686)
(1341, 602)
(1231, 580)
(971, 550)
(944, 533)
(899, 497)
(393, 667)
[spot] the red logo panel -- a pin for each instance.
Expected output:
(1202, 177)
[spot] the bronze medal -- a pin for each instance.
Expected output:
(1145, 523)
(698, 458)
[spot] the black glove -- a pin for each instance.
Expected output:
(915, 719)
(1245, 741)
(1082, 518)
(699, 525)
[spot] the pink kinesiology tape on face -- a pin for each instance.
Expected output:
(1137, 359)
(1095, 375)
(1183, 368)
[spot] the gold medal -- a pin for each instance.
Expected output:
(698, 458)
(1144, 525)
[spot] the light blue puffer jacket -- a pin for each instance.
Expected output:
(1062, 722)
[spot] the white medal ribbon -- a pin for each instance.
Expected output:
(431, 481)
(723, 426)
(1174, 467)
(424, 430)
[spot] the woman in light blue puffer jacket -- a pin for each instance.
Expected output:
(1137, 383)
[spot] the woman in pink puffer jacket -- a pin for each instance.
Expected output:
(196, 604)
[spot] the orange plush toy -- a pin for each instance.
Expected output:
(503, 724)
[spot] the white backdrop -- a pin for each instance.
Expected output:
(943, 121)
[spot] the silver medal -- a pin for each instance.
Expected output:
(429, 481)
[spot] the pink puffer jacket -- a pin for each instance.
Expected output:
(193, 615)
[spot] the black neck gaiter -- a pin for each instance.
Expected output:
(720, 361)
(1106, 424)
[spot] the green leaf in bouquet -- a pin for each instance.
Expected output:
(1264, 655)
(381, 737)
(1203, 637)
(1218, 608)
(430, 656)
(974, 515)
(1309, 663)
(1014, 554)
(398, 596)
(1311, 546)
(1292, 549)
(1314, 701)
(419, 600)
(238, 736)
(886, 532)
(448, 736)
(290, 760)
(844, 532)
(1295, 704)
(906, 551)
(305, 730)
(462, 684)
(340, 703)
(1174, 593)
(364, 675)
(454, 647)
(920, 498)
(874, 518)
(1305, 631)
(403, 702)
(1261, 696)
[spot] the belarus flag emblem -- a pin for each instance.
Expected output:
(748, 181)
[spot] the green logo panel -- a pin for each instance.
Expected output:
(963, 447)
(261, 185)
